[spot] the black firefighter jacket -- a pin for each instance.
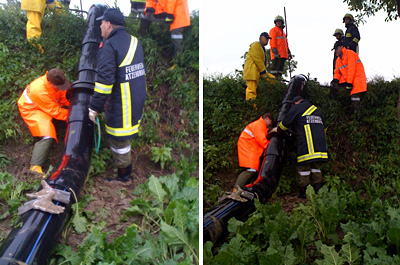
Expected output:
(310, 129)
(351, 37)
(120, 85)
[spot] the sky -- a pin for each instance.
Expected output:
(227, 30)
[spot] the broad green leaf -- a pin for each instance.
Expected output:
(171, 182)
(331, 257)
(350, 254)
(156, 188)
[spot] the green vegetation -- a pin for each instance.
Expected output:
(161, 225)
(354, 219)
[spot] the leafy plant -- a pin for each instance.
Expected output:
(161, 154)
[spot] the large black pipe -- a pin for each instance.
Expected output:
(37, 232)
(215, 222)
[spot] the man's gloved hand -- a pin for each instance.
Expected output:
(290, 57)
(348, 86)
(276, 53)
(169, 19)
(335, 83)
(273, 130)
(93, 114)
(264, 76)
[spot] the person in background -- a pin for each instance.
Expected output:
(349, 73)
(174, 12)
(120, 89)
(352, 35)
(43, 100)
(255, 66)
(339, 37)
(279, 47)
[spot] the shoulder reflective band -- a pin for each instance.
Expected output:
(28, 99)
(102, 88)
(126, 105)
(282, 126)
(356, 40)
(131, 52)
(248, 132)
(309, 110)
(343, 66)
(121, 151)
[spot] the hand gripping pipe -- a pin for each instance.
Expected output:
(32, 240)
(215, 222)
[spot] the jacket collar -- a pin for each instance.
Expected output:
(115, 31)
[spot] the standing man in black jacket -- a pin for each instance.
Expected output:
(120, 88)
(352, 35)
(311, 147)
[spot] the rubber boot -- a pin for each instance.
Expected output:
(317, 187)
(244, 178)
(302, 193)
(124, 174)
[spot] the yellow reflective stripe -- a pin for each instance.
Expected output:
(310, 143)
(309, 110)
(123, 131)
(348, 35)
(356, 40)
(102, 88)
(131, 52)
(138, 1)
(312, 156)
(126, 105)
(282, 126)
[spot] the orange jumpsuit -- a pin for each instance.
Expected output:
(252, 143)
(178, 8)
(39, 104)
(350, 69)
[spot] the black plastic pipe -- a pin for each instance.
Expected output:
(32, 240)
(215, 222)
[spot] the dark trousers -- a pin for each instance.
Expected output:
(277, 67)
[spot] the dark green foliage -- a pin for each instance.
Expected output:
(354, 217)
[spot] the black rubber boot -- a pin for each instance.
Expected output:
(124, 174)
(302, 193)
(317, 187)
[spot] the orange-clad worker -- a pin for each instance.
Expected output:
(255, 66)
(349, 73)
(251, 145)
(176, 13)
(279, 47)
(42, 100)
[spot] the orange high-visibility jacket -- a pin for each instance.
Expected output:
(350, 69)
(178, 8)
(39, 104)
(278, 41)
(252, 143)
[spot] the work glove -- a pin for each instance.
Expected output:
(93, 114)
(276, 53)
(335, 83)
(348, 86)
(290, 55)
(264, 76)
(150, 11)
(169, 19)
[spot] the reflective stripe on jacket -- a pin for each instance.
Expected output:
(310, 130)
(39, 104)
(120, 85)
(279, 41)
(255, 63)
(252, 143)
(350, 69)
(178, 8)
